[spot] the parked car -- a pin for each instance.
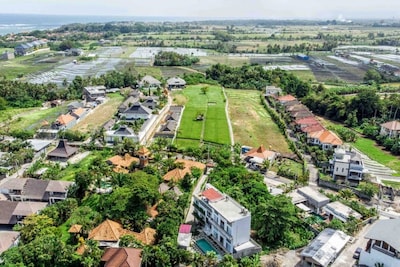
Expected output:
(357, 253)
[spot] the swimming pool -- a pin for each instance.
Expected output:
(205, 246)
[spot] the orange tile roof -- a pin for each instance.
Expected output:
(326, 137)
(79, 111)
(122, 161)
(152, 211)
(122, 257)
(108, 231)
(147, 236)
(307, 121)
(313, 128)
(176, 174)
(75, 228)
(260, 152)
(65, 119)
(212, 194)
(392, 125)
(286, 98)
(190, 163)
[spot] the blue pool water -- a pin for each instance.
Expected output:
(205, 246)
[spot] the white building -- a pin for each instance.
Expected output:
(315, 199)
(347, 165)
(324, 249)
(225, 221)
(340, 211)
(383, 245)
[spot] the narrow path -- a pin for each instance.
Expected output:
(227, 117)
(189, 216)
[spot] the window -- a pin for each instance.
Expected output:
(378, 243)
(385, 246)
(392, 249)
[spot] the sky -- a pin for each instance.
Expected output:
(264, 9)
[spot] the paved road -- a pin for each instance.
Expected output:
(346, 256)
(197, 189)
(227, 117)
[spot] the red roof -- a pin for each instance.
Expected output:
(212, 194)
(312, 128)
(307, 121)
(185, 228)
(286, 98)
(327, 137)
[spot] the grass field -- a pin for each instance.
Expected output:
(31, 118)
(214, 127)
(370, 148)
(251, 123)
(393, 184)
(305, 75)
(100, 115)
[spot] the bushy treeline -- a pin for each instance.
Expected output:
(255, 77)
(167, 58)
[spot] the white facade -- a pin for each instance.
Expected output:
(383, 245)
(225, 221)
(347, 164)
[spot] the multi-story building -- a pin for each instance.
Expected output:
(225, 221)
(383, 246)
(347, 165)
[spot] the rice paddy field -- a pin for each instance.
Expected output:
(213, 127)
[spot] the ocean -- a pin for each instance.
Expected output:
(17, 23)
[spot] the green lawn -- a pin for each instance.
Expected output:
(31, 119)
(214, 127)
(251, 123)
(370, 148)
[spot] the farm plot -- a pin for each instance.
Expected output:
(251, 123)
(204, 117)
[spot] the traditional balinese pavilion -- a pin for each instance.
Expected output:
(109, 232)
(260, 154)
(75, 229)
(62, 152)
(178, 174)
(122, 257)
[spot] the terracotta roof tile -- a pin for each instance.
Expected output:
(122, 257)
(65, 119)
(147, 236)
(392, 125)
(175, 174)
(326, 137)
(212, 195)
(108, 231)
(122, 161)
(286, 98)
(260, 152)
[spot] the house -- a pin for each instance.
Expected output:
(178, 174)
(257, 156)
(306, 122)
(6, 212)
(383, 245)
(176, 83)
(150, 102)
(167, 130)
(63, 151)
(315, 199)
(136, 111)
(108, 233)
(225, 222)
(324, 249)
(74, 105)
(122, 163)
(324, 138)
(74, 52)
(79, 113)
(347, 165)
(286, 98)
(28, 189)
(23, 49)
(127, 103)
(7, 55)
(121, 257)
(271, 90)
(120, 134)
(26, 208)
(75, 229)
(340, 211)
(91, 93)
(64, 121)
(390, 129)
(8, 239)
(184, 236)
(39, 146)
(149, 82)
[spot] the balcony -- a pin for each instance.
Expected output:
(220, 229)
(384, 251)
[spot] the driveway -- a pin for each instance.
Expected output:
(346, 256)
(196, 191)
